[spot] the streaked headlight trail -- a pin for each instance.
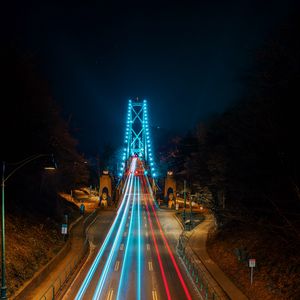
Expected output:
(135, 260)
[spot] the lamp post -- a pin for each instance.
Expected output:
(4, 179)
(191, 212)
(184, 206)
(3, 267)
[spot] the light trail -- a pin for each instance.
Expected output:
(187, 293)
(166, 285)
(116, 245)
(127, 247)
(139, 266)
(90, 274)
(126, 234)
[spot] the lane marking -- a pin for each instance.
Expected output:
(125, 233)
(163, 274)
(117, 265)
(148, 247)
(147, 234)
(139, 256)
(110, 295)
(145, 225)
(183, 284)
(150, 265)
(122, 279)
(127, 225)
(154, 295)
(122, 247)
(122, 209)
(116, 244)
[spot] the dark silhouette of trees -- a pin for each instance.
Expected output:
(249, 156)
(249, 159)
(31, 124)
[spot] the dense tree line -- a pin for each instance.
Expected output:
(31, 124)
(248, 157)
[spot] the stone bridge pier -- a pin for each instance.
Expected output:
(170, 189)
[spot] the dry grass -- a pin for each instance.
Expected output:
(276, 276)
(30, 244)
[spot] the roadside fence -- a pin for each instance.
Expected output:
(62, 279)
(206, 286)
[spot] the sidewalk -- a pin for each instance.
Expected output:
(66, 261)
(197, 242)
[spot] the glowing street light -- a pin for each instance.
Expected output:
(19, 165)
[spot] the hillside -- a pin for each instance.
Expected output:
(31, 241)
(276, 276)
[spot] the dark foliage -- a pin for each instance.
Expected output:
(31, 124)
(249, 156)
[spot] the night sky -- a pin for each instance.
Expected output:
(186, 58)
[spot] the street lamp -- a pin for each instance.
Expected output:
(4, 179)
(184, 195)
(191, 212)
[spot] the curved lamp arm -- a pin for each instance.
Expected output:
(22, 164)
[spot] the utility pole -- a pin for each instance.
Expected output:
(184, 197)
(191, 212)
(3, 265)
(18, 165)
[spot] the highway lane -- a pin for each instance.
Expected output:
(95, 238)
(135, 260)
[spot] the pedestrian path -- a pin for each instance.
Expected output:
(42, 288)
(45, 286)
(197, 242)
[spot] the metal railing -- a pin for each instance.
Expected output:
(58, 284)
(197, 271)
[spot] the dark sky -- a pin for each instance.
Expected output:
(187, 58)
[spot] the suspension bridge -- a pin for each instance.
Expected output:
(137, 259)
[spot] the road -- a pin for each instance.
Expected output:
(136, 259)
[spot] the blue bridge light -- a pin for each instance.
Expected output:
(137, 132)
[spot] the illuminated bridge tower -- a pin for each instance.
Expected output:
(137, 135)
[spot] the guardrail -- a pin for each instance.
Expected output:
(57, 285)
(198, 273)
(62, 279)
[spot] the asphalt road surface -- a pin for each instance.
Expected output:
(135, 260)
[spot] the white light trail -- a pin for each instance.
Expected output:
(89, 276)
(116, 244)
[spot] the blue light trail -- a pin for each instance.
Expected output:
(116, 244)
(139, 245)
(89, 276)
(128, 245)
